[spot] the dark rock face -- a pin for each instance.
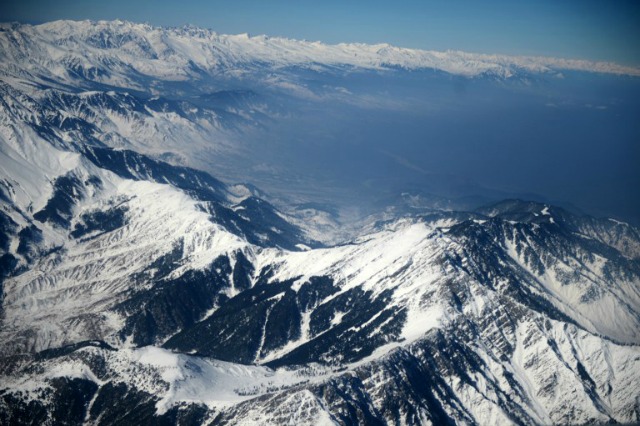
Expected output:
(29, 237)
(268, 316)
(366, 323)
(266, 312)
(68, 190)
(8, 262)
(100, 222)
(175, 304)
(77, 401)
(7, 228)
(70, 398)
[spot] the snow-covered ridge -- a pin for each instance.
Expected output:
(179, 53)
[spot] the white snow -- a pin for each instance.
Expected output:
(337, 318)
(215, 383)
(170, 53)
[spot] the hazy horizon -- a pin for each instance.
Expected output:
(591, 30)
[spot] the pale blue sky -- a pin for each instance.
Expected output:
(606, 30)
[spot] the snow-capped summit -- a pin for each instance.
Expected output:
(121, 53)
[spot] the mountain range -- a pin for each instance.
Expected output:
(139, 287)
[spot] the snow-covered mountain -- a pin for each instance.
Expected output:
(138, 289)
(119, 53)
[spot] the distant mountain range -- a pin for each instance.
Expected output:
(110, 51)
(138, 288)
